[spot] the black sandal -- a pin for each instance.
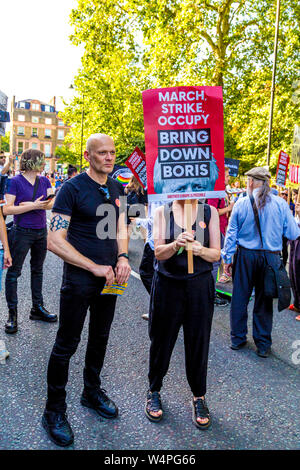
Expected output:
(200, 410)
(153, 403)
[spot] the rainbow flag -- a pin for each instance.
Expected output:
(121, 174)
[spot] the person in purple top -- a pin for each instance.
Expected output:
(26, 201)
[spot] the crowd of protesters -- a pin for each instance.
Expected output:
(239, 237)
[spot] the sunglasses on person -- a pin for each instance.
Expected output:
(105, 193)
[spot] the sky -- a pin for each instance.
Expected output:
(37, 59)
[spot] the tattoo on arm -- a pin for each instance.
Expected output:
(57, 223)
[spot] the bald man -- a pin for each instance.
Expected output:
(88, 232)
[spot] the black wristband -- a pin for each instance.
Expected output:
(125, 255)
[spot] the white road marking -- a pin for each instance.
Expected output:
(134, 274)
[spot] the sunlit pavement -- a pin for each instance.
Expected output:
(254, 402)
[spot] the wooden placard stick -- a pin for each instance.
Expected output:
(188, 228)
(298, 197)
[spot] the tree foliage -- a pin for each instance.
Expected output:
(4, 142)
(132, 45)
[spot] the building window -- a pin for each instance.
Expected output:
(34, 132)
(48, 150)
(21, 130)
(22, 104)
(21, 117)
(61, 123)
(47, 108)
(47, 132)
(34, 145)
(35, 119)
(20, 148)
(48, 121)
(60, 135)
(35, 107)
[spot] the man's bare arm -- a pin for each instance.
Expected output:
(122, 268)
(58, 244)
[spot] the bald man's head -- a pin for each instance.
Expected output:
(100, 153)
(96, 138)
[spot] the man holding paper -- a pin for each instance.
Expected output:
(93, 256)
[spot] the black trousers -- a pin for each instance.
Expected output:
(80, 291)
(146, 268)
(294, 270)
(248, 272)
(26, 239)
(188, 303)
(284, 253)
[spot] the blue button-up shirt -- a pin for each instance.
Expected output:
(275, 218)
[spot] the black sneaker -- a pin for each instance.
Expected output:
(101, 403)
(58, 428)
(153, 404)
(263, 353)
(219, 302)
(236, 347)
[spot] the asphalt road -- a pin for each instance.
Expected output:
(254, 402)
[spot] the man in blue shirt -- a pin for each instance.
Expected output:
(276, 220)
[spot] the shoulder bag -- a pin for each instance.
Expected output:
(276, 280)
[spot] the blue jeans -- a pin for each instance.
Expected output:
(26, 239)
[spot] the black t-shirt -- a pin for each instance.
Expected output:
(80, 198)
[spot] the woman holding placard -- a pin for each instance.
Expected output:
(180, 297)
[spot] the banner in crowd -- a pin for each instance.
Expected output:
(122, 174)
(295, 157)
(233, 166)
(184, 142)
(137, 164)
(282, 168)
(294, 174)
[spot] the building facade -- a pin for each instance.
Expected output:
(4, 115)
(35, 124)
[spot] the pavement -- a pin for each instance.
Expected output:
(254, 402)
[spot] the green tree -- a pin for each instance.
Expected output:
(132, 45)
(4, 142)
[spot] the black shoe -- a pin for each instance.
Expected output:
(200, 410)
(11, 325)
(239, 346)
(101, 403)
(153, 404)
(265, 353)
(38, 312)
(220, 302)
(58, 428)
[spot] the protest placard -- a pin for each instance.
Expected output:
(137, 164)
(121, 174)
(184, 142)
(233, 165)
(282, 168)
